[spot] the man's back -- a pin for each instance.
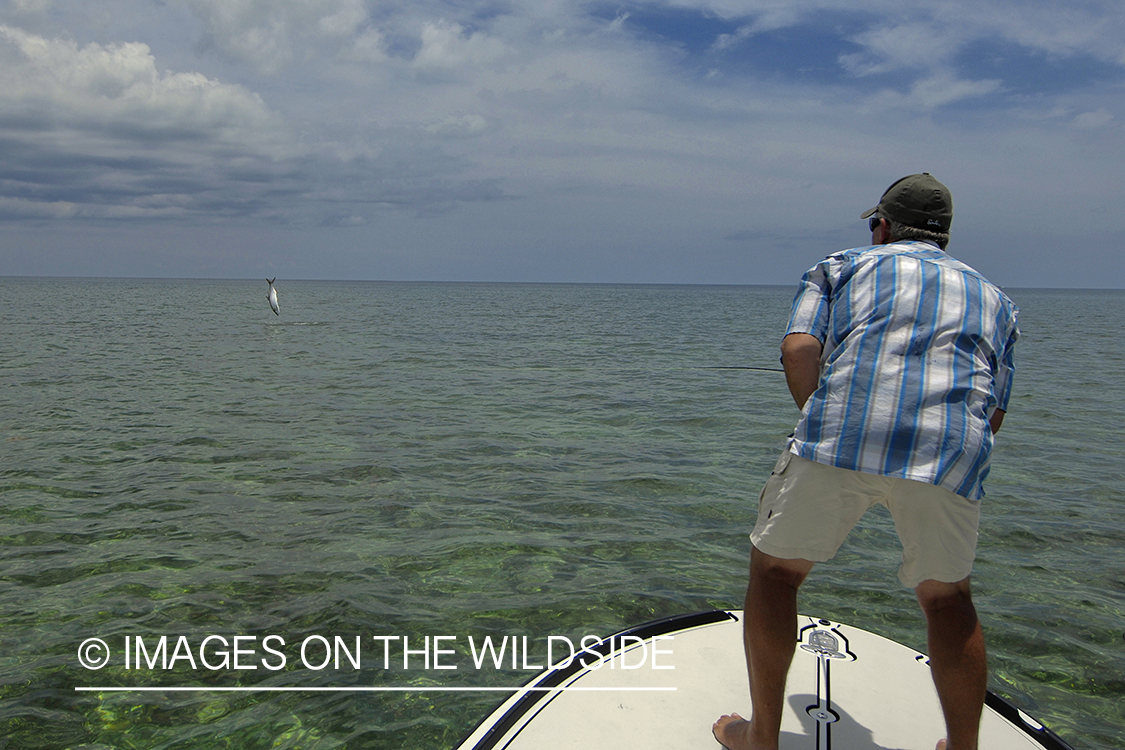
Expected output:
(917, 352)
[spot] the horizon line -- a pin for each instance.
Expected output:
(502, 282)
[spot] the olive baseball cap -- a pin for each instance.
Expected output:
(918, 201)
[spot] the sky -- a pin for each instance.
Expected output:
(671, 141)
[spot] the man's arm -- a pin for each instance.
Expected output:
(800, 356)
(996, 420)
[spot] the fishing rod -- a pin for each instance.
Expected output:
(741, 367)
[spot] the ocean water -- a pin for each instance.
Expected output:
(413, 460)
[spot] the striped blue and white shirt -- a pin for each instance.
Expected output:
(917, 355)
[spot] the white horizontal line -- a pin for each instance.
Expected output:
(251, 689)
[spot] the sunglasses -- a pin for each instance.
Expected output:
(873, 222)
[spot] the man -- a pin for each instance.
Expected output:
(900, 359)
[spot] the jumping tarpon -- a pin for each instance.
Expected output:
(272, 296)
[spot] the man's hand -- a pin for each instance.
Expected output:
(800, 356)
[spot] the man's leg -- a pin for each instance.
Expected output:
(957, 658)
(770, 637)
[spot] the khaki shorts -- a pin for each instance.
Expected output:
(807, 509)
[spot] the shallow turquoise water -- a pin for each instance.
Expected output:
(425, 459)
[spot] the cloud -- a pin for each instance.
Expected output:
(729, 41)
(904, 46)
(97, 132)
(464, 126)
(446, 47)
(266, 32)
(914, 34)
(764, 20)
(367, 47)
(30, 6)
(939, 90)
(98, 88)
(1093, 28)
(1095, 120)
(934, 91)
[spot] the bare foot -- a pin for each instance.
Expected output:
(732, 732)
